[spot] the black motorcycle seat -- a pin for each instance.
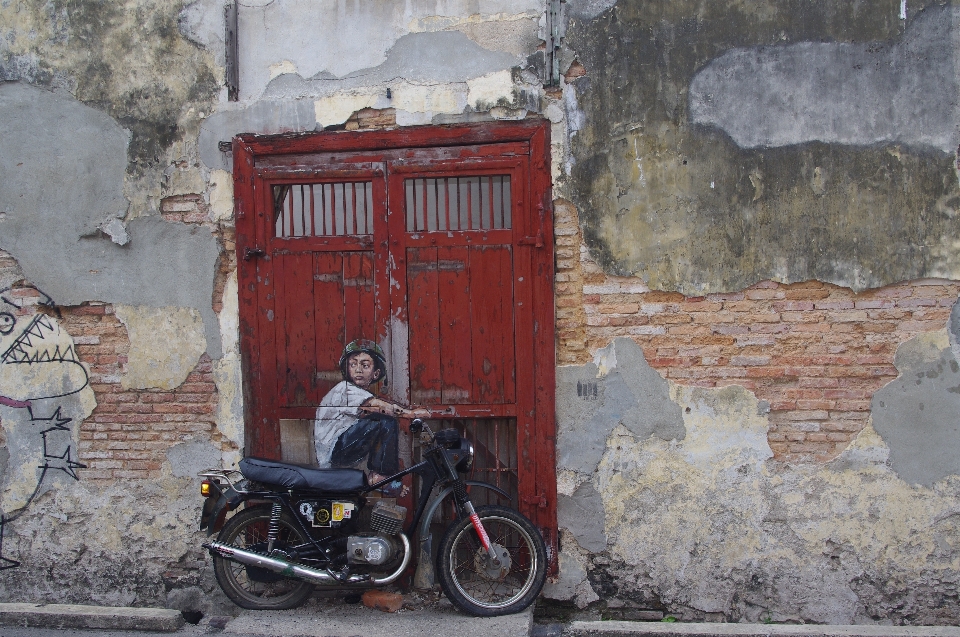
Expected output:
(298, 476)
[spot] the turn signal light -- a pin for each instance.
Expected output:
(206, 488)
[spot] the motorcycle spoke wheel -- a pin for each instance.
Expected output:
(477, 587)
(256, 588)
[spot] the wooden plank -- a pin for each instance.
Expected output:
(456, 332)
(329, 322)
(358, 301)
(295, 330)
(411, 137)
(544, 342)
(267, 428)
(255, 335)
(394, 299)
(424, 333)
(492, 329)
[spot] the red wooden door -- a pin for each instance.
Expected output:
(434, 243)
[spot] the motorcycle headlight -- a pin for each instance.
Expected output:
(466, 459)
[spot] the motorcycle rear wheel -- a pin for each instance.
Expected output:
(469, 581)
(256, 588)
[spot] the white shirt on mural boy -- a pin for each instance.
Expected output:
(338, 411)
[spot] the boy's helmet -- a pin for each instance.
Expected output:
(362, 345)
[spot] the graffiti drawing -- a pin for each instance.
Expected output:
(38, 363)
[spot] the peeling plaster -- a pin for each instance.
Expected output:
(145, 531)
(327, 36)
(221, 198)
(709, 526)
(63, 165)
(593, 399)
(677, 202)
(227, 371)
(165, 345)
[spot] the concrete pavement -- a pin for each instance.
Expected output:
(679, 629)
(326, 617)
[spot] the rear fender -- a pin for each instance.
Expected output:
(215, 509)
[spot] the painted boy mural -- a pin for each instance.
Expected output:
(352, 424)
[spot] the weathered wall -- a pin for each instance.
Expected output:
(117, 246)
(756, 271)
(757, 240)
(720, 144)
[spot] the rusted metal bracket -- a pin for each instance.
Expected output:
(253, 253)
(536, 241)
(232, 53)
(555, 31)
(539, 500)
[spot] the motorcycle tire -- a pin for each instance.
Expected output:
(474, 584)
(256, 588)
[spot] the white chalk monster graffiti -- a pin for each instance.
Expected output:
(42, 383)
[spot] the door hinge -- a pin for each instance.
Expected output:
(253, 253)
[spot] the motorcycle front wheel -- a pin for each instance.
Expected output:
(252, 587)
(481, 586)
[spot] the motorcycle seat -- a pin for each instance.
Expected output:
(298, 476)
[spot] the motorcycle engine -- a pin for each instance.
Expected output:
(370, 549)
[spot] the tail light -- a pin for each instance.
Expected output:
(207, 488)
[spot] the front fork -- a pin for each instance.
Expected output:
(463, 500)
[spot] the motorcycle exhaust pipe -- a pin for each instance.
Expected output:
(317, 577)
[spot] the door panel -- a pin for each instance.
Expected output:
(461, 325)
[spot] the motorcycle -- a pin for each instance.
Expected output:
(302, 528)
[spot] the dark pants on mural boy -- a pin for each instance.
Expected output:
(373, 437)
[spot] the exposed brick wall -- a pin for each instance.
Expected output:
(372, 118)
(816, 352)
(129, 431)
(185, 209)
(571, 318)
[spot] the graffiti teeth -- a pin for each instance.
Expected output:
(26, 348)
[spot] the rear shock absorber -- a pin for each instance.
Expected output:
(274, 530)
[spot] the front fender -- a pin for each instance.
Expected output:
(423, 531)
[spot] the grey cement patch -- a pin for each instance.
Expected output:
(592, 400)
(265, 118)
(903, 92)
(918, 416)
(188, 458)
(444, 56)
(582, 514)
(953, 329)
(343, 38)
(201, 22)
(62, 165)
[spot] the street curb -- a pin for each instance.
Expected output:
(679, 629)
(76, 616)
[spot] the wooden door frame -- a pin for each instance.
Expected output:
(536, 432)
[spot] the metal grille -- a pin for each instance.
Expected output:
(458, 203)
(495, 454)
(329, 209)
